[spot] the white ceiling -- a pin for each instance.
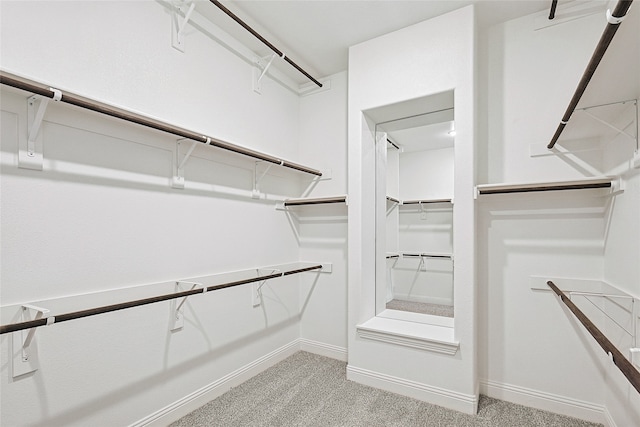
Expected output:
(317, 34)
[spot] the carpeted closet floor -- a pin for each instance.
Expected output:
(311, 390)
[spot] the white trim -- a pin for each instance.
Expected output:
(422, 336)
(608, 419)
(327, 350)
(193, 401)
(466, 403)
(545, 401)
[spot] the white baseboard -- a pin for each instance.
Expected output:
(327, 350)
(546, 401)
(198, 398)
(609, 422)
(462, 402)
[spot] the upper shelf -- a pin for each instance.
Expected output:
(580, 184)
(90, 104)
(613, 22)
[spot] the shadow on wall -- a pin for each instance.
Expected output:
(98, 404)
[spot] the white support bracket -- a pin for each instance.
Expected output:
(179, 25)
(256, 287)
(262, 66)
(617, 186)
(423, 211)
(176, 322)
(25, 348)
(634, 102)
(255, 193)
(179, 161)
(30, 156)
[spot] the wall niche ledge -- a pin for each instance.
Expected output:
(421, 336)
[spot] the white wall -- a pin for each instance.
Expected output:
(622, 238)
(322, 230)
(384, 71)
(427, 174)
(532, 351)
(102, 215)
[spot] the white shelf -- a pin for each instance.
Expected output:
(422, 336)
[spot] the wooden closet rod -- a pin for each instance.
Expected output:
(583, 186)
(414, 255)
(394, 144)
(317, 201)
(90, 104)
(552, 11)
(632, 374)
(613, 23)
(137, 303)
(393, 199)
(263, 40)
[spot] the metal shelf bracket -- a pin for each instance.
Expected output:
(30, 156)
(257, 177)
(177, 313)
(262, 66)
(25, 349)
(178, 33)
(179, 161)
(256, 288)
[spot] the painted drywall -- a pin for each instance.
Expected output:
(102, 215)
(427, 174)
(622, 238)
(384, 71)
(533, 351)
(322, 230)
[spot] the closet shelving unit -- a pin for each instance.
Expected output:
(422, 255)
(41, 95)
(44, 319)
(622, 363)
(315, 201)
(611, 183)
(614, 19)
(47, 93)
(417, 202)
(432, 255)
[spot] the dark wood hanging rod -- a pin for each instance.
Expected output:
(137, 303)
(394, 144)
(419, 202)
(613, 23)
(527, 188)
(552, 11)
(393, 199)
(424, 255)
(93, 105)
(316, 201)
(627, 369)
(263, 40)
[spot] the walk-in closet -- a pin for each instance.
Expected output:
(289, 213)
